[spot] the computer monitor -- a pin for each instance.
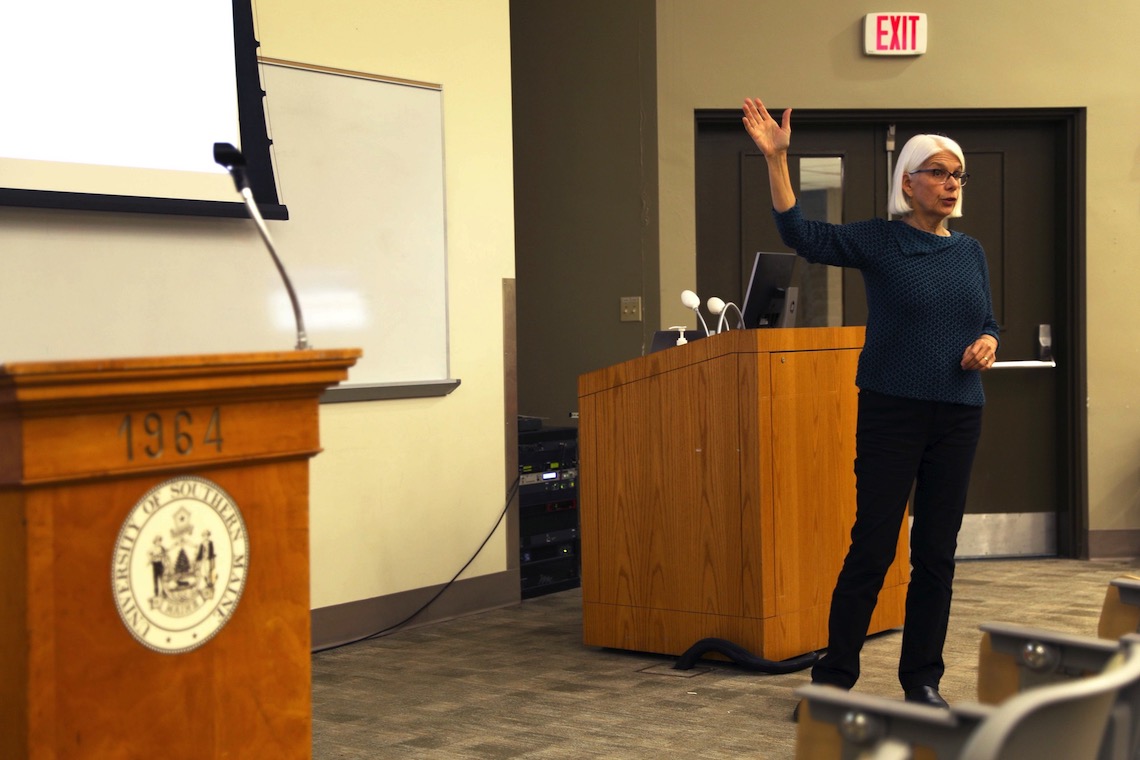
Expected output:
(770, 299)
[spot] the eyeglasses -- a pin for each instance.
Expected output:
(941, 175)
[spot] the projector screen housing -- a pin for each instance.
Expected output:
(116, 106)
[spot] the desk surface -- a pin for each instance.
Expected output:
(731, 342)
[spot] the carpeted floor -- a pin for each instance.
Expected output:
(518, 683)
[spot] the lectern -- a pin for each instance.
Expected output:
(717, 493)
(154, 576)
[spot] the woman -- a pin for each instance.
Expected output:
(930, 332)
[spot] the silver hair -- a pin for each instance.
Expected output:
(914, 154)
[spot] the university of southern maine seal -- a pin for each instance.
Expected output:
(179, 564)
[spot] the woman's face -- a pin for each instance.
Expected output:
(929, 197)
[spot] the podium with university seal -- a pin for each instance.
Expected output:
(154, 580)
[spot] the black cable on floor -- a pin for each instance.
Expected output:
(511, 492)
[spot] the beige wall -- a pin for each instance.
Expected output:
(982, 53)
(405, 490)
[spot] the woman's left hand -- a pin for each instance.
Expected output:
(981, 354)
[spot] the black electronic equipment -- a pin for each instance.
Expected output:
(770, 299)
(548, 511)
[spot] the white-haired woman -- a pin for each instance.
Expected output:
(930, 331)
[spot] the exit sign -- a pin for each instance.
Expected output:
(894, 33)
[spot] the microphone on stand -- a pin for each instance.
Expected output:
(719, 307)
(231, 158)
(692, 301)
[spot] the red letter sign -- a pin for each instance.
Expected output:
(897, 33)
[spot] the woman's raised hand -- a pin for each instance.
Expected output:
(770, 137)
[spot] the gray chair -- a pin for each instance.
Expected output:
(1015, 658)
(1071, 719)
(1120, 612)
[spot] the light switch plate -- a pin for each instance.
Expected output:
(631, 308)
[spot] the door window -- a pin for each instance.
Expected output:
(820, 193)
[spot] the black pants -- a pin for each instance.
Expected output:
(899, 443)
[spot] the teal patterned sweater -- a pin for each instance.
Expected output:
(928, 298)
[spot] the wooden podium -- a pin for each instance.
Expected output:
(717, 493)
(154, 577)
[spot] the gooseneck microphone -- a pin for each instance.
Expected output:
(231, 158)
(692, 301)
(718, 307)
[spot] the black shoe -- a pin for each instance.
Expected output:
(926, 695)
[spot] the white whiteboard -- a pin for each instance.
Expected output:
(360, 167)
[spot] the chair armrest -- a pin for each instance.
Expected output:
(1072, 655)
(1013, 658)
(863, 720)
(1128, 585)
(1120, 612)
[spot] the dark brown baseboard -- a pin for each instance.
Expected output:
(1114, 544)
(345, 623)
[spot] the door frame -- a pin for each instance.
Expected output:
(1071, 410)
